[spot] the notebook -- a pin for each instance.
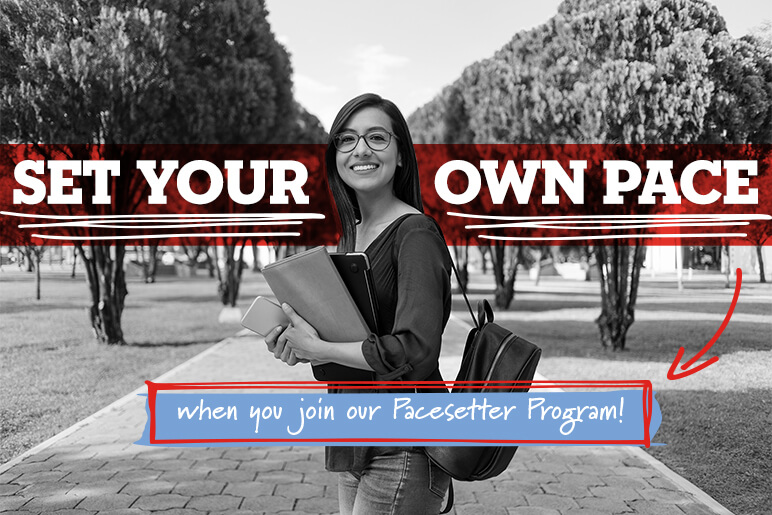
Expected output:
(311, 284)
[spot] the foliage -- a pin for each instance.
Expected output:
(87, 73)
(612, 71)
(96, 72)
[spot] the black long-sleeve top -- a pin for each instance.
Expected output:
(411, 274)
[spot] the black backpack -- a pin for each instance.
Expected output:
(492, 353)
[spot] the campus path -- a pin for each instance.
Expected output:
(93, 467)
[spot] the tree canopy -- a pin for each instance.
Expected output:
(612, 71)
(115, 72)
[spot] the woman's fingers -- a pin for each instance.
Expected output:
(286, 354)
(298, 321)
(281, 345)
(270, 338)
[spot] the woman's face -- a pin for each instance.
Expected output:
(364, 170)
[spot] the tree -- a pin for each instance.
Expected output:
(194, 249)
(506, 259)
(86, 73)
(31, 256)
(445, 122)
(760, 232)
(104, 73)
(615, 71)
(147, 258)
(234, 88)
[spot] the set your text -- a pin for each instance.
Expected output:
(288, 178)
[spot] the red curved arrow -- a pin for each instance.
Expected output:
(672, 374)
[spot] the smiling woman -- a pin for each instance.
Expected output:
(376, 179)
(367, 165)
(365, 149)
(373, 175)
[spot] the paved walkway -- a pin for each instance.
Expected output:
(93, 467)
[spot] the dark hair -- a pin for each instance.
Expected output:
(407, 184)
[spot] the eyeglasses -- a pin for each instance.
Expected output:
(378, 139)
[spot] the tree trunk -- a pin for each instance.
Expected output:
(74, 264)
(230, 279)
(152, 263)
(505, 261)
(255, 261)
(148, 258)
(588, 265)
(139, 250)
(461, 252)
(213, 263)
(619, 278)
(537, 263)
(107, 285)
(282, 251)
(37, 274)
(516, 254)
(484, 250)
(28, 258)
(760, 256)
(497, 262)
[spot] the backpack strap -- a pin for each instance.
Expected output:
(480, 316)
(475, 320)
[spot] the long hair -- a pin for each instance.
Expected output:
(407, 185)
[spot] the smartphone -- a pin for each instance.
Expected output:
(263, 316)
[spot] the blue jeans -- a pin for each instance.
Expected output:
(400, 482)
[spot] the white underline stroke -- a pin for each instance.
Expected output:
(160, 236)
(595, 223)
(748, 216)
(546, 225)
(613, 237)
(105, 225)
(175, 220)
(267, 216)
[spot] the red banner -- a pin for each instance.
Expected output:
(517, 194)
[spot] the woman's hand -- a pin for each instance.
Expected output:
(278, 347)
(300, 343)
(297, 343)
(300, 337)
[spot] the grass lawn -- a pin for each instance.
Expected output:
(721, 442)
(54, 373)
(646, 340)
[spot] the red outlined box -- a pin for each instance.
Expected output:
(647, 398)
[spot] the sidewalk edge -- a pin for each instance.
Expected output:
(680, 481)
